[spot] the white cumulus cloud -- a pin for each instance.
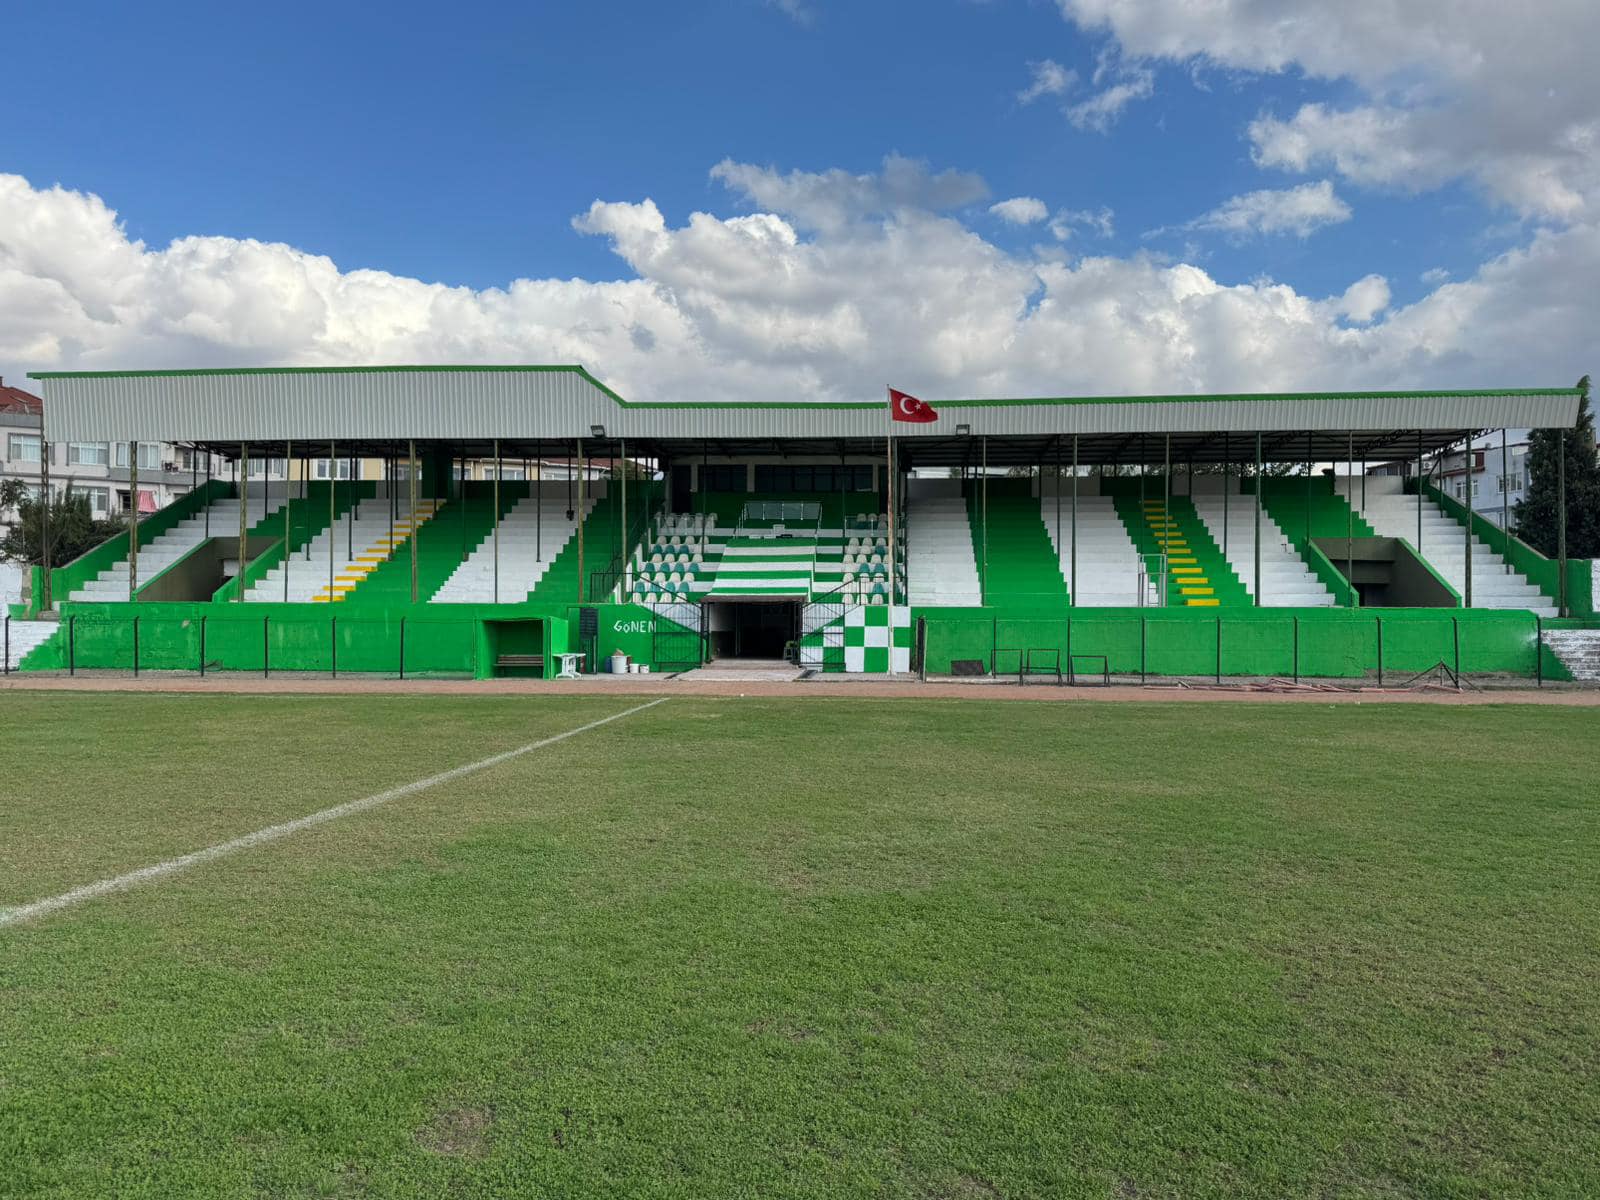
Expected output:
(1021, 210)
(765, 304)
(1049, 79)
(1298, 210)
(1505, 95)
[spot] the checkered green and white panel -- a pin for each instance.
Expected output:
(867, 639)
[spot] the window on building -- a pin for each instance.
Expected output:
(23, 447)
(149, 455)
(99, 499)
(724, 478)
(337, 468)
(276, 468)
(512, 473)
(88, 454)
(813, 478)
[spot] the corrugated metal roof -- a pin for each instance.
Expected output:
(554, 402)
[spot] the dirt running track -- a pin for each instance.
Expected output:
(1262, 691)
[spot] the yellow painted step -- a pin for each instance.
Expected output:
(1185, 561)
(1202, 603)
(1187, 571)
(1196, 591)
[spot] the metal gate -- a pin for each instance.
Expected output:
(823, 619)
(678, 642)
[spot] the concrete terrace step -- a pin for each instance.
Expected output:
(24, 637)
(169, 546)
(1578, 650)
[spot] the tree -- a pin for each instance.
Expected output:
(1537, 514)
(72, 526)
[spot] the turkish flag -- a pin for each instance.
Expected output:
(903, 407)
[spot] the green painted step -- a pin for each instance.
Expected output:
(1019, 567)
(453, 532)
(1316, 511)
(559, 583)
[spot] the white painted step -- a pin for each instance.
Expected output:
(1495, 584)
(1578, 650)
(24, 637)
(1108, 561)
(161, 552)
(532, 534)
(1286, 581)
(307, 567)
(941, 568)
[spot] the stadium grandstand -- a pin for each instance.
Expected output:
(527, 520)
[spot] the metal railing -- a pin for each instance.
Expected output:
(1152, 584)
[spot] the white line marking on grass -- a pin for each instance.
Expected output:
(272, 833)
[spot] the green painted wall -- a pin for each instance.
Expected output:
(1333, 643)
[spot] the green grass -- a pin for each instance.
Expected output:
(803, 948)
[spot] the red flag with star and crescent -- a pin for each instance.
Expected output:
(905, 407)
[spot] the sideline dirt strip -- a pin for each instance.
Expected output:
(273, 833)
(859, 688)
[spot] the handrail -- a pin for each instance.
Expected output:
(1145, 576)
(608, 580)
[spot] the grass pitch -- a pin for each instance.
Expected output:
(802, 948)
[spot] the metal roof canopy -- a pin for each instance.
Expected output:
(539, 410)
(1096, 450)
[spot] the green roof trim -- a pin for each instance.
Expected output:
(822, 406)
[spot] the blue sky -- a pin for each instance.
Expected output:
(456, 144)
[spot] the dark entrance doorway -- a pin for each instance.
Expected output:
(753, 628)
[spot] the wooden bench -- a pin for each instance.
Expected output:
(519, 662)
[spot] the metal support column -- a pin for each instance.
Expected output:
(1350, 522)
(1505, 496)
(44, 515)
(1466, 467)
(497, 520)
(581, 473)
(244, 522)
(411, 470)
(1419, 491)
(1227, 468)
(1258, 483)
(133, 519)
(622, 549)
(288, 457)
(1561, 522)
(983, 583)
(333, 522)
(1074, 595)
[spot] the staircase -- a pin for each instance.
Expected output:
(26, 636)
(1393, 514)
(1108, 561)
(940, 567)
(167, 548)
(369, 532)
(765, 566)
(1286, 581)
(1578, 650)
(532, 535)
(1197, 574)
(1020, 567)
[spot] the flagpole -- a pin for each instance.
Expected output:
(888, 409)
